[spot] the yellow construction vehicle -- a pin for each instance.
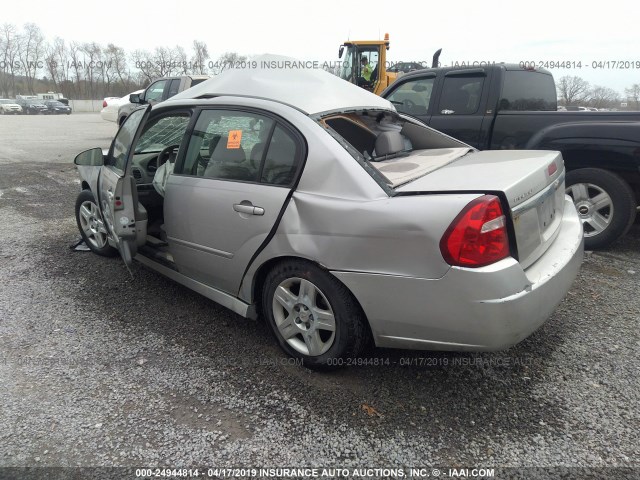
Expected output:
(364, 62)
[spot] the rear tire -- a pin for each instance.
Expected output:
(90, 225)
(313, 316)
(606, 205)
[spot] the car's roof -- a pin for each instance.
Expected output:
(287, 80)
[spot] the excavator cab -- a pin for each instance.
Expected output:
(364, 64)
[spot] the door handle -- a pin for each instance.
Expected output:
(248, 208)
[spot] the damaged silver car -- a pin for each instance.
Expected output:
(298, 197)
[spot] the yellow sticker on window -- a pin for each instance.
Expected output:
(235, 137)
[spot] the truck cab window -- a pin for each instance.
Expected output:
(155, 91)
(461, 95)
(413, 97)
(528, 91)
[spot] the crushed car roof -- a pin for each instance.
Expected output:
(290, 81)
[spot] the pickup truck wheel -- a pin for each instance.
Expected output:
(605, 203)
(312, 315)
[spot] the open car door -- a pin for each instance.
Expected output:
(117, 196)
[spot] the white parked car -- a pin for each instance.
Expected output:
(9, 107)
(111, 105)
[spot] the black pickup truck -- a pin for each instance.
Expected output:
(501, 106)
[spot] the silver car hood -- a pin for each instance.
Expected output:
(519, 174)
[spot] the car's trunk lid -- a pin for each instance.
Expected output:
(532, 182)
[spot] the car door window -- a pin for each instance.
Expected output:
(413, 97)
(122, 142)
(155, 91)
(461, 95)
(280, 163)
(227, 145)
(174, 88)
(162, 132)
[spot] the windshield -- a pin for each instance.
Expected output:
(6, 101)
(55, 104)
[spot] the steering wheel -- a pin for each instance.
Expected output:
(409, 105)
(164, 155)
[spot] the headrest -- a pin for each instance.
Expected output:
(389, 143)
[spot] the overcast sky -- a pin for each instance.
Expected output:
(467, 31)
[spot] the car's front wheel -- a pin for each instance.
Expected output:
(605, 203)
(91, 227)
(313, 316)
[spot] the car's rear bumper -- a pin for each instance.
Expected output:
(488, 308)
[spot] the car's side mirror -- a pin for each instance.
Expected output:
(135, 98)
(90, 158)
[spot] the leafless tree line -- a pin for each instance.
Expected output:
(574, 90)
(30, 64)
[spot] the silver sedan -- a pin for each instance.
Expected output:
(292, 195)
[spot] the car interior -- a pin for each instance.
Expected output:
(399, 150)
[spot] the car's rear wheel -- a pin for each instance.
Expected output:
(91, 227)
(313, 316)
(605, 203)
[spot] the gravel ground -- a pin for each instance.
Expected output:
(99, 369)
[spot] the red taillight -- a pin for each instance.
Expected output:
(478, 236)
(104, 104)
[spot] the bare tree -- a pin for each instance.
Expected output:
(31, 54)
(633, 93)
(92, 53)
(118, 63)
(200, 57)
(77, 67)
(572, 90)
(142, 62)
(182, 61)
(603, 97)
(56, 63)
(9, 58)
(228, 60)
(164, 61)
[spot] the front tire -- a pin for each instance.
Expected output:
(312, 315)
(91, 227)
(606, 205)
